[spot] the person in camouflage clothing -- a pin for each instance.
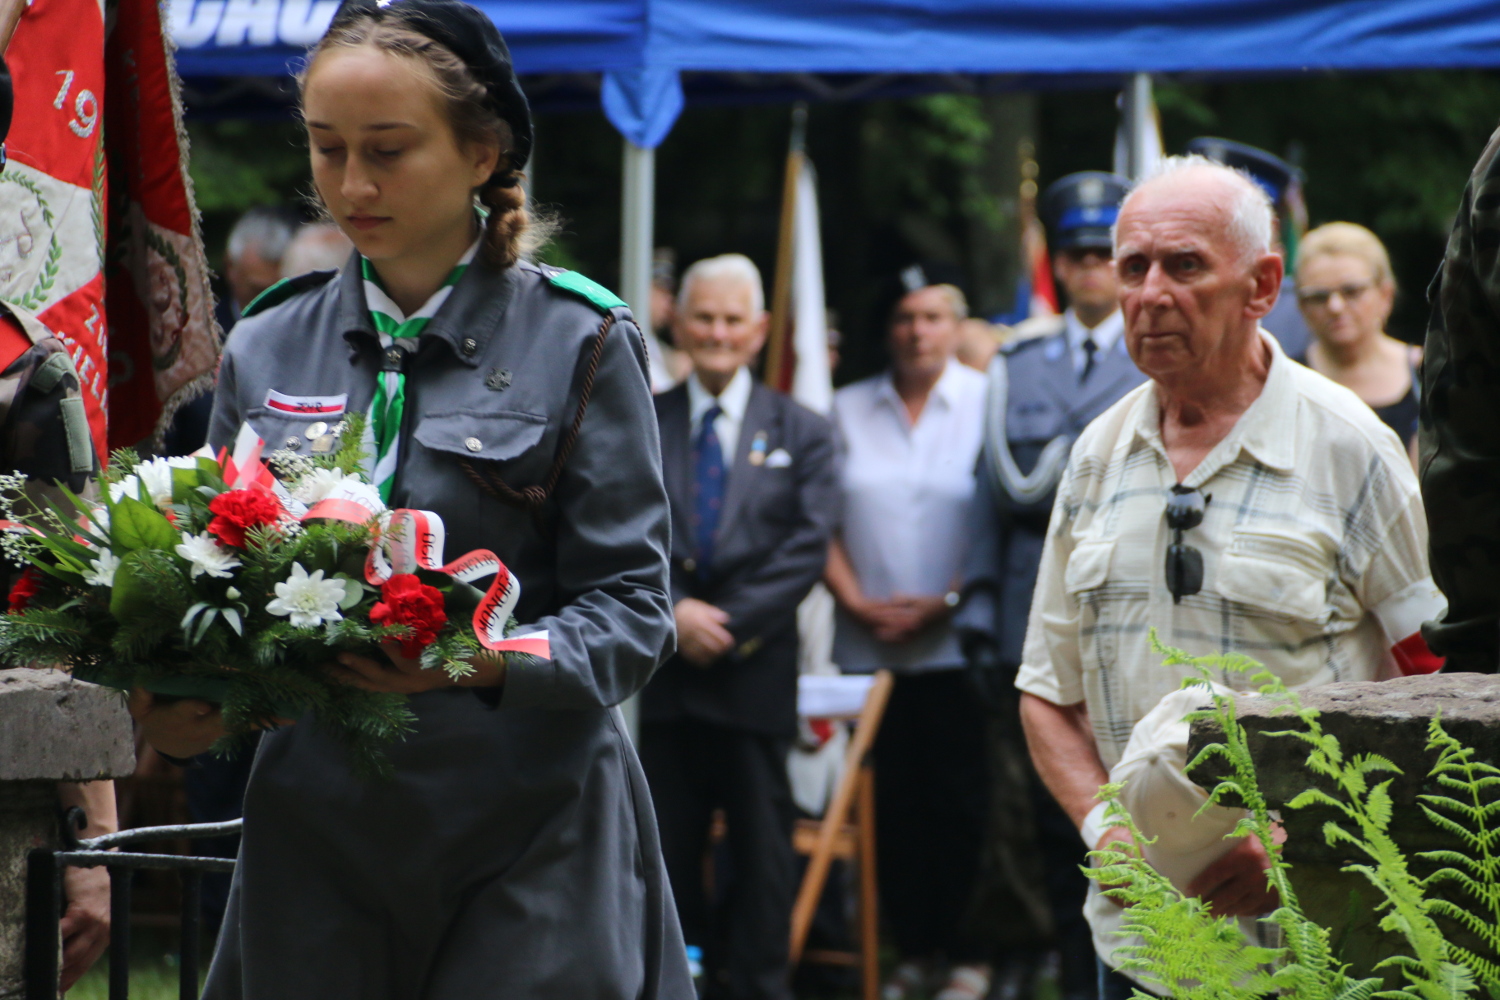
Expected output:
(1460, 428)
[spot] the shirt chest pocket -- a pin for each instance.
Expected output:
(504, 441)
(1088, 566)
(1279, 571)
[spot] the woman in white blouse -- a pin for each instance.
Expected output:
(908, 442)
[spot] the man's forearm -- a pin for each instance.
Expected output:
(97, 800)
(1063, 751)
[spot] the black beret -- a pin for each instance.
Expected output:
(472, 37)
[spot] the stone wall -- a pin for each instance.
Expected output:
(52, 728)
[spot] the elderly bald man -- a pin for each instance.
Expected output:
(1237, 502)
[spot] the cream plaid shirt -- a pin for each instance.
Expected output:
(1314, 549)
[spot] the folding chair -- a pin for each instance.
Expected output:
(846, 832)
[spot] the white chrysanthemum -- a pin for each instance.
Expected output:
(130, 487)
(206, 555)
(307, 600)
(316, 485)
(156, 475)
(103, 572)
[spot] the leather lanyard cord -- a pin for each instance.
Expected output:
(533, 498)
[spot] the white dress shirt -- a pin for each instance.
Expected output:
(906, 490)
(1105, 335)
(731, 402)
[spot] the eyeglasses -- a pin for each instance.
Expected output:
(1320, 297)
(1185, 509)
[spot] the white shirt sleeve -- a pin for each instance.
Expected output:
(1396, 587)
(1051, 662)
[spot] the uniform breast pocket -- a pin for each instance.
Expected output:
(286, 432)
(1034, 422)
(504, 442)
(1280, 571)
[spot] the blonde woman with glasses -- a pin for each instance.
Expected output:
(1346, 289)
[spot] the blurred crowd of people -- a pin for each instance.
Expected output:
(1163, 465)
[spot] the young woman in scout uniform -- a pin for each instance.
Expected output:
(514, 853)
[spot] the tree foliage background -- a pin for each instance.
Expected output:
(934, 179)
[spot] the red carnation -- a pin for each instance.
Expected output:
(239, 510)
(25, 589)
(408, 601)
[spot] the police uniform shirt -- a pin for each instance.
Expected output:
(1105, 336)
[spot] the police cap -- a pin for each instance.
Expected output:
(1271, 172)
(1079, 209)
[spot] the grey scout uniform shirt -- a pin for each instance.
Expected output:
(514, 854)
(1045, 401)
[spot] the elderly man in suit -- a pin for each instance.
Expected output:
(750, 478)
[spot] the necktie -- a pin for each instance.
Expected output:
(1089, 350)
(708, 488)
(383, 425)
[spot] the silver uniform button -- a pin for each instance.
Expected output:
(470, 345)
(294, 442)
(472, 444)
(317, 430)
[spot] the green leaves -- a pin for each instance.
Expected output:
(133, 525)
(131, 596)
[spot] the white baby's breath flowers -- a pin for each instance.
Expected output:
(19, 546)
(102, 573)
(290, 466)
(307, 599)
(205, 555)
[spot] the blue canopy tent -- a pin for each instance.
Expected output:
(644, 48)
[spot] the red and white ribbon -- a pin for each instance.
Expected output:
(413, 539)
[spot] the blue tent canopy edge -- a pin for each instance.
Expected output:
(642, 47)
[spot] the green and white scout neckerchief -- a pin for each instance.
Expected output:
(384, 424)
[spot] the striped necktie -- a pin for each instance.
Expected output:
(383, 427)
(708, 489)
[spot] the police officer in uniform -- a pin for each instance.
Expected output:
(1282, 183)
(1043, 391)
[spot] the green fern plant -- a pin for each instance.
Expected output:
(1468, 814)
(1194, 955)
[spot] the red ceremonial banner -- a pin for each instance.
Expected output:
(164, 341)
(53, 190)
(101, 241)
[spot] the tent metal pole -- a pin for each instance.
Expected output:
(637, 216)
(636, 235)
(1138, 123)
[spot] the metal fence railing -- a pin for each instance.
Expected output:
(44, 900)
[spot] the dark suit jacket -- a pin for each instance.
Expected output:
(771, 547)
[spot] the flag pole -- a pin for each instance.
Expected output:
(781, 293)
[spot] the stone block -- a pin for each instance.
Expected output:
(58, 729)
(1389, 718)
